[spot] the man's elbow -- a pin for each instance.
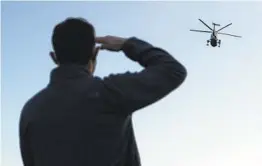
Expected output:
(179, 74)
(183, 72)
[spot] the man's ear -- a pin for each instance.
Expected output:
(91, 66)
(54, 58)
(95, 52)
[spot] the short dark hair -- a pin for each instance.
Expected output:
(73, 41)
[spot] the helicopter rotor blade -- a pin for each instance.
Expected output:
(205, 24)
(229, 34)
(194, 30)
(224, 27)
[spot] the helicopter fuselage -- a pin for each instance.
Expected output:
(213, 42)
(213, 39)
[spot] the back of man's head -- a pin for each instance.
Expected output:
(73, 41)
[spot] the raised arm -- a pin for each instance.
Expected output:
(162, 74)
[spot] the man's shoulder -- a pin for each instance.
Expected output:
(30, 105)
(34, 98)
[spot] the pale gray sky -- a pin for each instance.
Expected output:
(214, 118)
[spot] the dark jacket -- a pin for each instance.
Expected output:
(81, 120)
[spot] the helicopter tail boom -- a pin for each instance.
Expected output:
(215, 24)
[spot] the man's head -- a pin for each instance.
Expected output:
(74, 43)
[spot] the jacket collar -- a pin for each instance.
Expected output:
(67, 72)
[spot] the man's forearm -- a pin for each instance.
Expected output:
(147, 55)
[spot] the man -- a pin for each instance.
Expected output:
(83, 120)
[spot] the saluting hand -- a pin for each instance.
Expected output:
(111, 43)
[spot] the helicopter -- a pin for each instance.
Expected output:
(214, 41)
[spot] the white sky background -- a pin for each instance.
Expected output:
(214, 118)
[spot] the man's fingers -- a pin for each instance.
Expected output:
(100, 40)
(110, 43)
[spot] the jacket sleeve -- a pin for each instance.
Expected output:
(162, 74)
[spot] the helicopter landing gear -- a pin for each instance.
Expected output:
(219, 43)
(208, 41)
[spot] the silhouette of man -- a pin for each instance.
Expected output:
(82, 120)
